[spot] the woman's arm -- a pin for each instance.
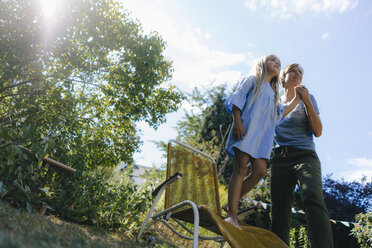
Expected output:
(313, 118)
(237, 129)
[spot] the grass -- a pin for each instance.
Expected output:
(19, 229)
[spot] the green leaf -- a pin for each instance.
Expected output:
(45, 191)
(27, 132)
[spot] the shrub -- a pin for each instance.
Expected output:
(21, 177)
(102, 197)
(298, 238)
(363, 232)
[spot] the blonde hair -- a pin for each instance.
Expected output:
(261, 73)
(286, 69)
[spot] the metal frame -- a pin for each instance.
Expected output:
(192, 148)
(167, 212)
(157, 198)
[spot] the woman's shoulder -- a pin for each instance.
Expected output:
(312, 98)
(314, 102)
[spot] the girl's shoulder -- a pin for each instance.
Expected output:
(249, 79)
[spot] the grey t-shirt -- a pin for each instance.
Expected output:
(294, 129)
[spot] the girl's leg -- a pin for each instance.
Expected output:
(249, 173)
(235, 186)
(258, 167)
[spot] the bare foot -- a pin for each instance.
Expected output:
(233, 221)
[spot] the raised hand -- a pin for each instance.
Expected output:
(302, 92)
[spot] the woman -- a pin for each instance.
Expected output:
(295, 161)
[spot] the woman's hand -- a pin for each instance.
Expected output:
(313, 118)
(303, 92)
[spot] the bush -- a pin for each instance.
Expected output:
(363, 232)
(21, 177)
(103, 197)
(298, 238)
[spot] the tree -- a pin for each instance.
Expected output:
(363, 232)
(73, 87)
(82, 79)
(344, 200)
(208, 128)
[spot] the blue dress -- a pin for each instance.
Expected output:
(258, 120)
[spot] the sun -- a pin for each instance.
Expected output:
(48, 7)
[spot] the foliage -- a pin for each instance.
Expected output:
(262, 190)
(346, 199)
(73, 87)
(103, 197)
(21, 178)
(211, 116)
(298, 238)
(82, 80)
(207, 129)
(363, 232)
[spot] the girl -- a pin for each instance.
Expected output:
(254, 106)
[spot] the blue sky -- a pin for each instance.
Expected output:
(215, 42)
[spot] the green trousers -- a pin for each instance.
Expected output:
(302, 167)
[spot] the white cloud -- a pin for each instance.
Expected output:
(250, 5)
(326, 35)
(361, 162)
(288, 8)
(194, 63)
(356, 175)
(363, 168)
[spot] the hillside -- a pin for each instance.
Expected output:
(19, 229)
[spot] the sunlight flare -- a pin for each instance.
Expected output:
(49, 7)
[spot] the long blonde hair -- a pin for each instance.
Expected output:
(261, 73)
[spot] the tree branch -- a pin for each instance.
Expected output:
(1, 98)
(16, 85)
